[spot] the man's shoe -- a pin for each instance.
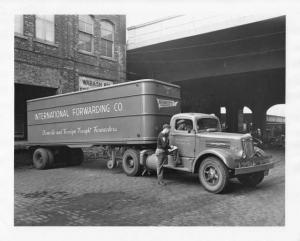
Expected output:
(162, 183)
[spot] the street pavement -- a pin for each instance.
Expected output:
(91, 194)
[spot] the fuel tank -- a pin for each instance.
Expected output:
(151, 161)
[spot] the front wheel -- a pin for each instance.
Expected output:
(213, 175)
(252, 179)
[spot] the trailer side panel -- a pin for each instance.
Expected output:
(130, 113)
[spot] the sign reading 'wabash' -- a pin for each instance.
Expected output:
(86, 83)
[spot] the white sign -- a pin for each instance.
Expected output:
(86, 83)
(162, 103)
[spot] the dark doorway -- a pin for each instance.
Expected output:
(23, 93)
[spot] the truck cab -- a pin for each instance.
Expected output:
(215, 155)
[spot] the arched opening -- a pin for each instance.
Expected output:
(277, 110)
(242, 116)
(275, 125)
(223, 118)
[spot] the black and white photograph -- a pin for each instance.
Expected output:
(137, 121)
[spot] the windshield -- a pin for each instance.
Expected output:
(208, 124)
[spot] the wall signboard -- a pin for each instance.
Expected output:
(86, 83)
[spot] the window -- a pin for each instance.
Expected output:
(107, 39)
(86, 32)
(19, 24)
(44, 27)
(208, 124)
(184, 125)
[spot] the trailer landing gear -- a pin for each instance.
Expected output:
(112, 163)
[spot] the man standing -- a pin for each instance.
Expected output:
(162, 151)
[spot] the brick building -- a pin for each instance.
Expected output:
(64, 53)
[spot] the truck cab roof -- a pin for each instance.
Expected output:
(194, 115)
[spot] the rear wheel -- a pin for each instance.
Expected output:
(64, 155)
(51, 158)
(131, 162)
(252, 179)
(76, 157)
(213, 175)
(41, 158)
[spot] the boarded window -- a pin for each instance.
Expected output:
(44, 27)
(86, 32)
(19, 24)
(107, 39)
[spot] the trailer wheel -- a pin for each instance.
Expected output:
(41, 158)
(64, 155)
(213, 175)
(252, 179)
(51, 158)
(76, 157)
(131, 162)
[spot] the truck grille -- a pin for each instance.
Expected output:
(248, 147)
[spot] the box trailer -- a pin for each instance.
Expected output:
(121, 115)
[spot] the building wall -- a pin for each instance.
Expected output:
(59, 65)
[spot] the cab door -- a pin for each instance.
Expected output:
(183, 136)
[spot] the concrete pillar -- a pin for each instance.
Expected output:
(259, 118)
(216, 110)
(240, 120)
(232, 114)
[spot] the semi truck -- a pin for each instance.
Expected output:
(127, 118)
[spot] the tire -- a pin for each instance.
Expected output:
(213, 175)
(51, 158)
(131, 162)
(64, 155)
(76, 157)
(252, 179)
(41, 158)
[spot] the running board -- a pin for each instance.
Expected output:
(184, 169)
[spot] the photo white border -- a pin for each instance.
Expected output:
(290, 231)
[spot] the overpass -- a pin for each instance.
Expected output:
(219, 61)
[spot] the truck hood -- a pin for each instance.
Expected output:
(223, 135)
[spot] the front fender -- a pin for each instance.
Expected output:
(225, 155)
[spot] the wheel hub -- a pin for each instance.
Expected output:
(211, 175)
(130, 163)
(40, 159)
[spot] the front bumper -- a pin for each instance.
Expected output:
(254, 164)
